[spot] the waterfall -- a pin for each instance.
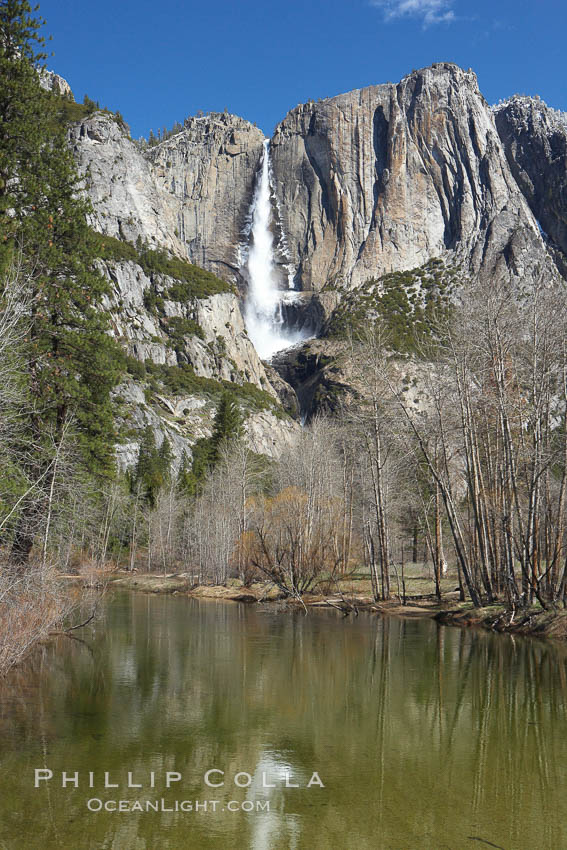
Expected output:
(263, 312)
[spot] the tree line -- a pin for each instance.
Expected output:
(457, 453)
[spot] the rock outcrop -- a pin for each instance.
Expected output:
(127, 203)
(377, 180)
(371, 183)
(208, 172)
(50, 81)
(535, 140)
(190, 194)
(206, 333)
(183, 351)
(385, 178)
(316, 369)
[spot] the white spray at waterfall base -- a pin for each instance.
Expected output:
(263, 309)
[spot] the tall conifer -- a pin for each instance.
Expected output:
(72, 361)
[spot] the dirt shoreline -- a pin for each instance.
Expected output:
(449, 611)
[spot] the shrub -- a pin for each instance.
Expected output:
(409, 304)
(191, 281)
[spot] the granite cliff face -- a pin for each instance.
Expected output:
(183, 350)
(127, 203)
(50, 81)
(208, 172)
(377, 180)
(385, 178)
(190, 194)
(374, 182)
(535, 140)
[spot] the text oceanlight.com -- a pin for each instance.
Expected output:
(255, 782)
(188, 806)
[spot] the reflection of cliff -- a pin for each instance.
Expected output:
(407, 723)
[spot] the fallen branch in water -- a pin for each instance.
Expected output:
(72, 628)
(81, 625)
(484, 841)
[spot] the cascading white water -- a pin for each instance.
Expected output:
(263, 309)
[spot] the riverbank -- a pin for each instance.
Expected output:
(533, 621)
(450, 611)
(235, 591)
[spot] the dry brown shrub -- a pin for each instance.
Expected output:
(32, 605)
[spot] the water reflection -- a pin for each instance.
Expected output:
(425, 737)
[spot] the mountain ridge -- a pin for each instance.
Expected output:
(377, 181)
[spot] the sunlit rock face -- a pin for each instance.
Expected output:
(378, 180)
(128, 204)
(208, 172)
(387, 177)
(50, 81)
(535, 140)
(191, 194)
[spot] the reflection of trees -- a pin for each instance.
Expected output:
(419, 732)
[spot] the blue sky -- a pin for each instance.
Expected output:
(159, 61)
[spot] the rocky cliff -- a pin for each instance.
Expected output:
(378, 180)
(127, 202)
(388, 177)
(367, 185)
(207, 172)
(190, 194)
(535, 140)
(50, 81)
(184, 348)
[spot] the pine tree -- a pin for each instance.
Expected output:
(153, 468)
(227, 424)
(185, 480)
(91, 105)
(165, 459)
(72, 362)
(147, 467)
(21, 99)
(202, 463)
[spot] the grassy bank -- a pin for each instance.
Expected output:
(351, 599)
(497, 618)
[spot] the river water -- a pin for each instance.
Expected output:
(424, 737)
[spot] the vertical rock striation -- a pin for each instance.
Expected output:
(378, 180)
(535, 140)
(190, 194)
(207, 172)
(127, 202)
(387, 177)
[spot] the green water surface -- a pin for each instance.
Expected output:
(424, 737)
